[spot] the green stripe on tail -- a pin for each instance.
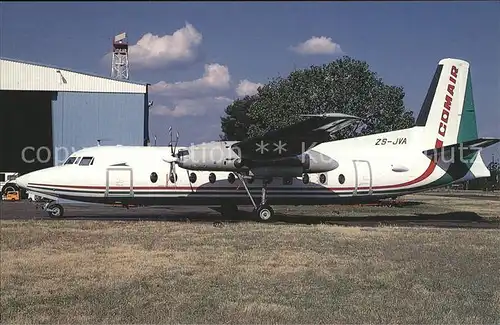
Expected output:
(468, 128)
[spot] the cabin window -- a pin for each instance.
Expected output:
(87, 161)
(305, 178)
(231, 178)
(341, 178)
(322, 178)
(70, 160)
(172, 177)
(153, 177)
(211, 178)
(287, 180)
(192, 177)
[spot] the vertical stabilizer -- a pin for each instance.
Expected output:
(448, 112)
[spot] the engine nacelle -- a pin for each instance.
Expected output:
(315, 162)
(310, 162)
(216, 156)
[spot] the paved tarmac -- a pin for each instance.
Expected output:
(411, 216)
(24, 210)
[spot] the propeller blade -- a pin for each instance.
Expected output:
(176, 142)
(171, 141)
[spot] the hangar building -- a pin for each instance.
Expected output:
(47, 113)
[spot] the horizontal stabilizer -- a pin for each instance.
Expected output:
(466, 148)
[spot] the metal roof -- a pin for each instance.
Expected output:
(23, 75)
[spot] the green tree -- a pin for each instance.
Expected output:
(237, 121)
(345, 86)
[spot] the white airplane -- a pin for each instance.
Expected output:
(296, 165)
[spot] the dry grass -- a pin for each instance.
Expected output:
(174, 272)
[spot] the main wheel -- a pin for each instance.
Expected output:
(265, 212)
(55, 210)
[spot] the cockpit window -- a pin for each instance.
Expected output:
(70, 160)
(78, 160)
(183, 152)
(86, 161)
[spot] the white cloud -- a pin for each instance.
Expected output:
(153, 51)
(196, 97)
(192, 107)
(215, 79)
(206, 95)
(318, 45)
(247, 88)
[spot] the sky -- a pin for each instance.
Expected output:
(199, 57)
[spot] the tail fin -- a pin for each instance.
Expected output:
(448, 122)
(448, 113)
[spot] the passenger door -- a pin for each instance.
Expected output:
(119, 182)
(363, 177)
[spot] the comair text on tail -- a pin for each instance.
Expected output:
(448, 119)
(276, 169)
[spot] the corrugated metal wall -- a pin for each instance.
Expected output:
(80, 119)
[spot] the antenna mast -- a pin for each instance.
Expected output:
(119, 62)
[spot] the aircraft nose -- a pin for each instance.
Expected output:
(22, 181)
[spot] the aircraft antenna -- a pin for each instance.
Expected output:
(119, 61)
(101, 140)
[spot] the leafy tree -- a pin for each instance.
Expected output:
(344, 86)
(237, 121)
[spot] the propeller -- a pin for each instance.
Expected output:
(175, 157)
(173, 162)
(172, 153)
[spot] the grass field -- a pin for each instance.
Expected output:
(74, 271)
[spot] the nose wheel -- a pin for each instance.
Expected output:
(54, 210)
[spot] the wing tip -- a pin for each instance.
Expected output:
(340, 115)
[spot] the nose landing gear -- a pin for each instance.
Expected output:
(54, 210)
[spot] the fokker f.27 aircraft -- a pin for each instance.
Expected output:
(296, 165)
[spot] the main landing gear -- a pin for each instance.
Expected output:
(263, 210)
(54, 210)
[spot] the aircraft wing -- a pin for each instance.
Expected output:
(295, 139)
